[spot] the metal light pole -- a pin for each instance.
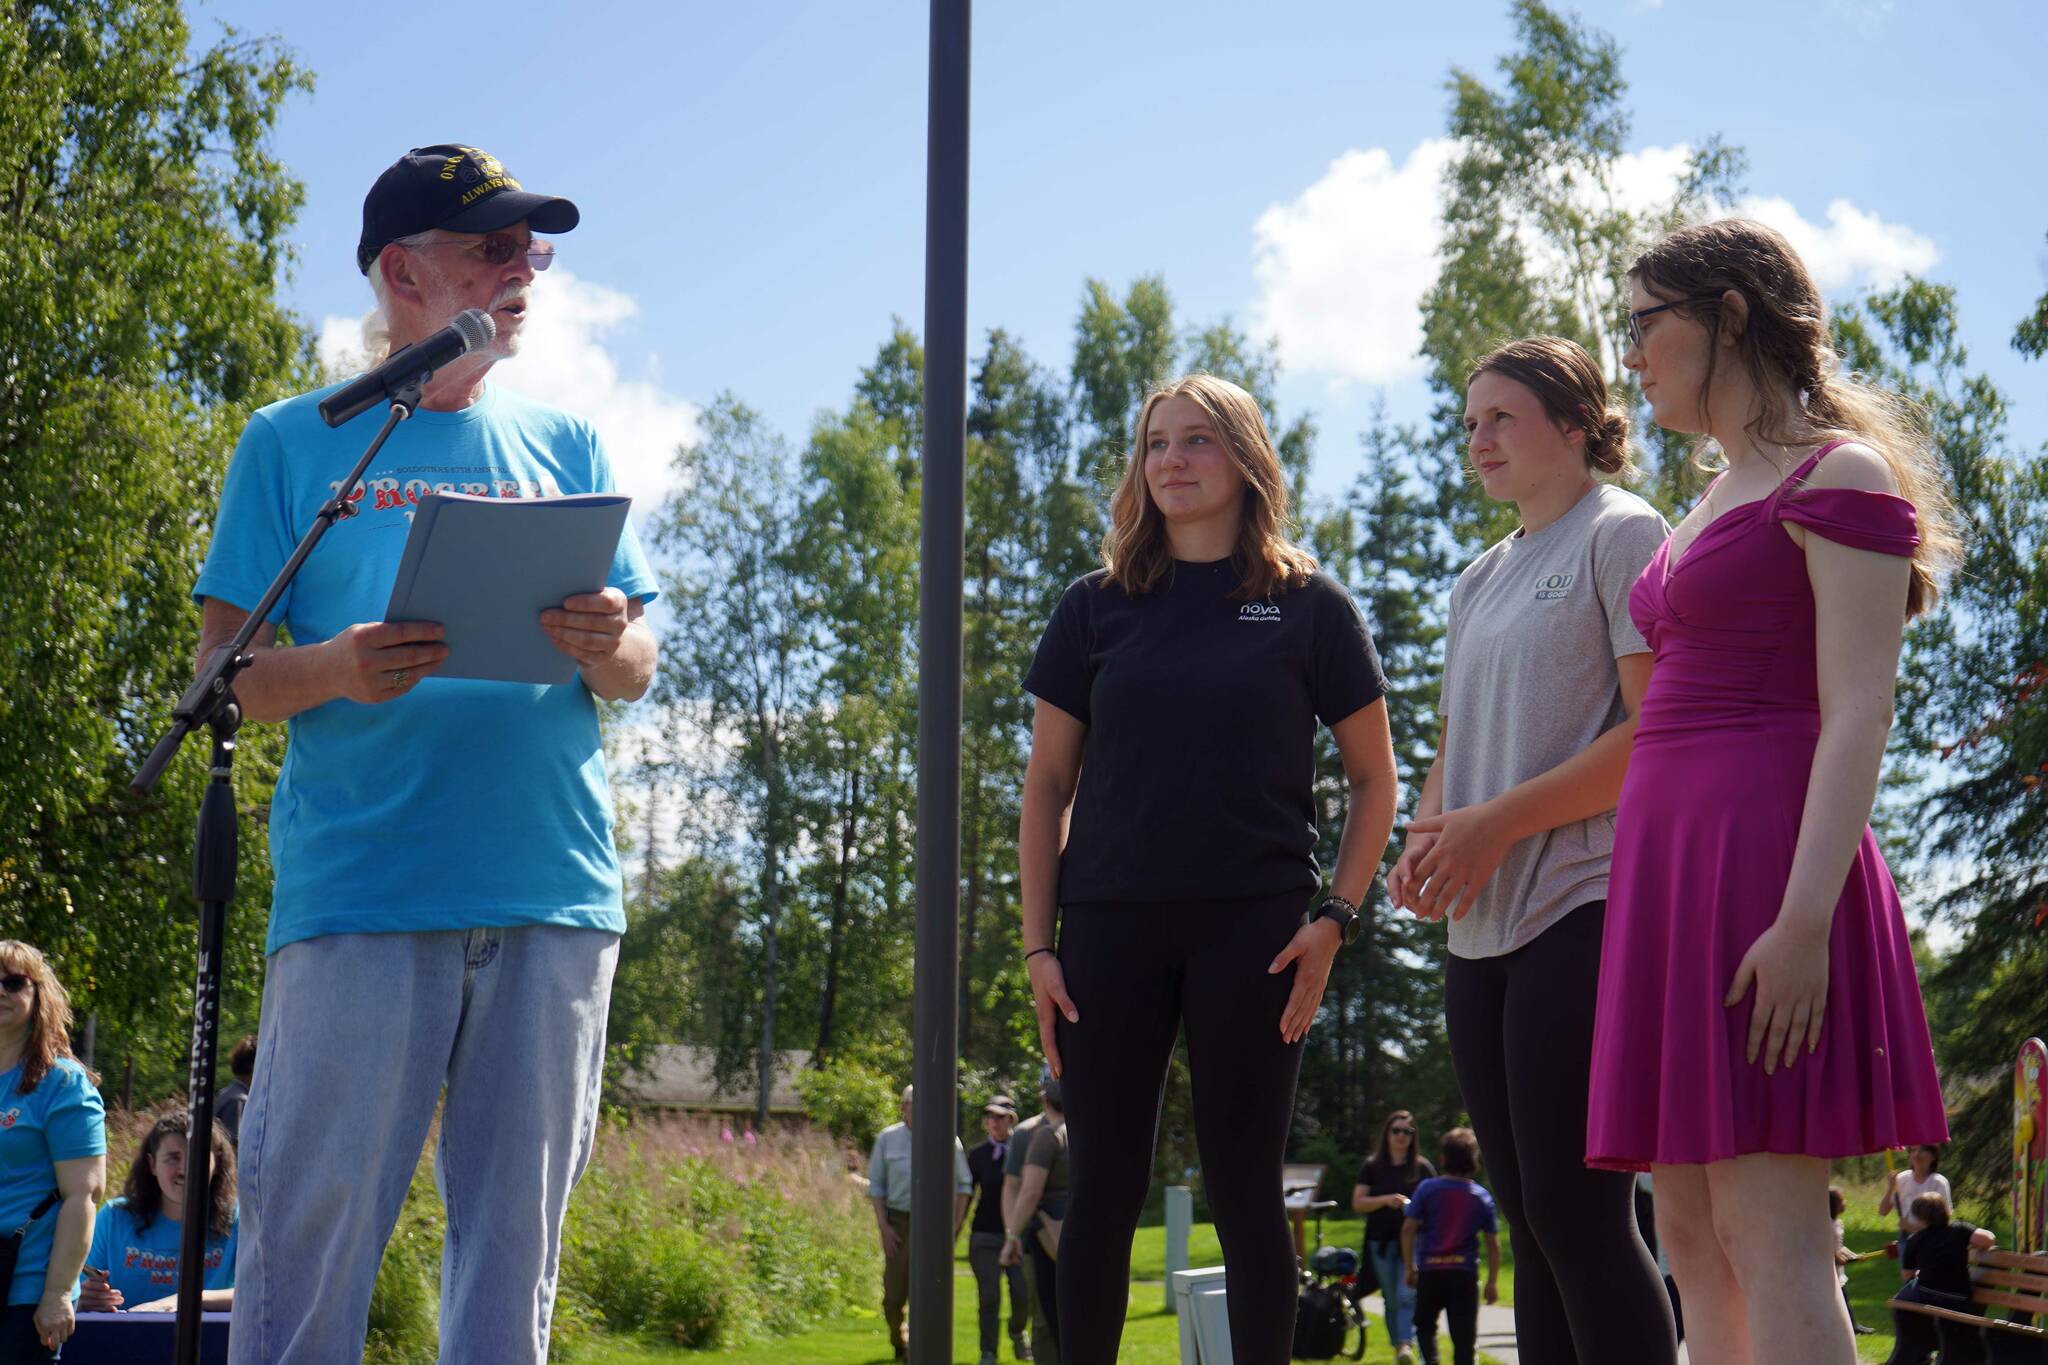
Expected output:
(935, 1071)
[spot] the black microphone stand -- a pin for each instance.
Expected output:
(210, 701)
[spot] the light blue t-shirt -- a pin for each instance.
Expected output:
(143, 1262)
(462, 803)
(61, 1120)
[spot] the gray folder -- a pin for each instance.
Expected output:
(486, 568)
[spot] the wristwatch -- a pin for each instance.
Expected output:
(1344, 912)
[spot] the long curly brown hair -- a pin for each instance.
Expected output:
(49, 1028)
(146, 1197)
(1136, 551)
(1784, 344)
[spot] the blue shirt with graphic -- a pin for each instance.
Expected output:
(1453, 1212)
(461, 803)
(143, 1262)
(62, 1119)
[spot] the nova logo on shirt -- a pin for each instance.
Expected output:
(1258, 611)
(1552, 586)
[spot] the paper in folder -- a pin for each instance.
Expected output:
(486, 568)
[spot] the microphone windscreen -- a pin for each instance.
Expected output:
(476, 328)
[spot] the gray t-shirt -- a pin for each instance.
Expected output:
(1529, 680)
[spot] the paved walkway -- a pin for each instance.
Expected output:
(1496, 1332)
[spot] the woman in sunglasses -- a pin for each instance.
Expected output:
(1543, 672)
(1386, 1182)
(1759, 1012)
(53, 1156)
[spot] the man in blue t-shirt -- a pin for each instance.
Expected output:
(1440, 1237)
(446, 906)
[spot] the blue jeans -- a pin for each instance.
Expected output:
(359, 1036)
(1398, 1299)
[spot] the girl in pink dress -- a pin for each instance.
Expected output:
(1758, 1010)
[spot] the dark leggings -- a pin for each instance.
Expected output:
(18, 1339)
(1138, 975)
(1586, 1290)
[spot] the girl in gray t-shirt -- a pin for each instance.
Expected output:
(1543, 671)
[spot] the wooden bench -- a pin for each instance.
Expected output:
(2004, 1279)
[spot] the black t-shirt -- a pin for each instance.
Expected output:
(987, 1169)
(1942, 1256)
(1198, 770)
(1384, 1225)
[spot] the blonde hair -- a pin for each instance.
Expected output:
(49, 1025)
(1136, 552)
(1784, 341)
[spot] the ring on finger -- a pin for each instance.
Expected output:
(400, 676)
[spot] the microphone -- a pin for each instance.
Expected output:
(415, 364)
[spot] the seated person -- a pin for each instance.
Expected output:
(1940, 1254)
(132, 1264)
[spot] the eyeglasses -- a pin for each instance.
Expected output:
(1402, 1132)
(498, 249)
(14, 983)
(1635, 319)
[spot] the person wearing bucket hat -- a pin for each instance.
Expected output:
(985, 1234)
(446, 900)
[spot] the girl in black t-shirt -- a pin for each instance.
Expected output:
(1168, 830)
(1386, 1182)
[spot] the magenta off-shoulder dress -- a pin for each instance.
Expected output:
(1704, 836)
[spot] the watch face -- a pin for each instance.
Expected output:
(1352, 927)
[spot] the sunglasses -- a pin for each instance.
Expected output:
(1635, 319)
(1404, 1132)
(498, 249)
(14, 983)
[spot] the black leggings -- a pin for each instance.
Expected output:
(1586, 1290)
(18, 1338)
(1138, 975)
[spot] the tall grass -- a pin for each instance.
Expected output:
(677, 1234)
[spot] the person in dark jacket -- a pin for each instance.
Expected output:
(985, 1234)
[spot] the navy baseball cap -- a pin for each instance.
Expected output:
(462, 189)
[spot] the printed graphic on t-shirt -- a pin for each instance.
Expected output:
(162, 1266)
(10, 1118)
(1259, 611)
(1552, 586)
(403, 488)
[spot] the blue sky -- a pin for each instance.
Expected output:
(751, 177)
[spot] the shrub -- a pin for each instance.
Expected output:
(851, 1101)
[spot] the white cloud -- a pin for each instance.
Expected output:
(1856, 249)
(564, 359)
(1342, 267)
(1867, 17)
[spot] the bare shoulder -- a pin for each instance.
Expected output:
(1854, 465)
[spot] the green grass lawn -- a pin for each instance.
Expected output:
(1151, 1334)
(1151, 1337)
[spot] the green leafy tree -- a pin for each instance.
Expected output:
(1972, 736)
(737, 678)
(146, 223)
(1121, 348)
(1537, 234)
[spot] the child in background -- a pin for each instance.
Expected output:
(1843, 1256)
(1440, 1248)
(1921, 1176)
